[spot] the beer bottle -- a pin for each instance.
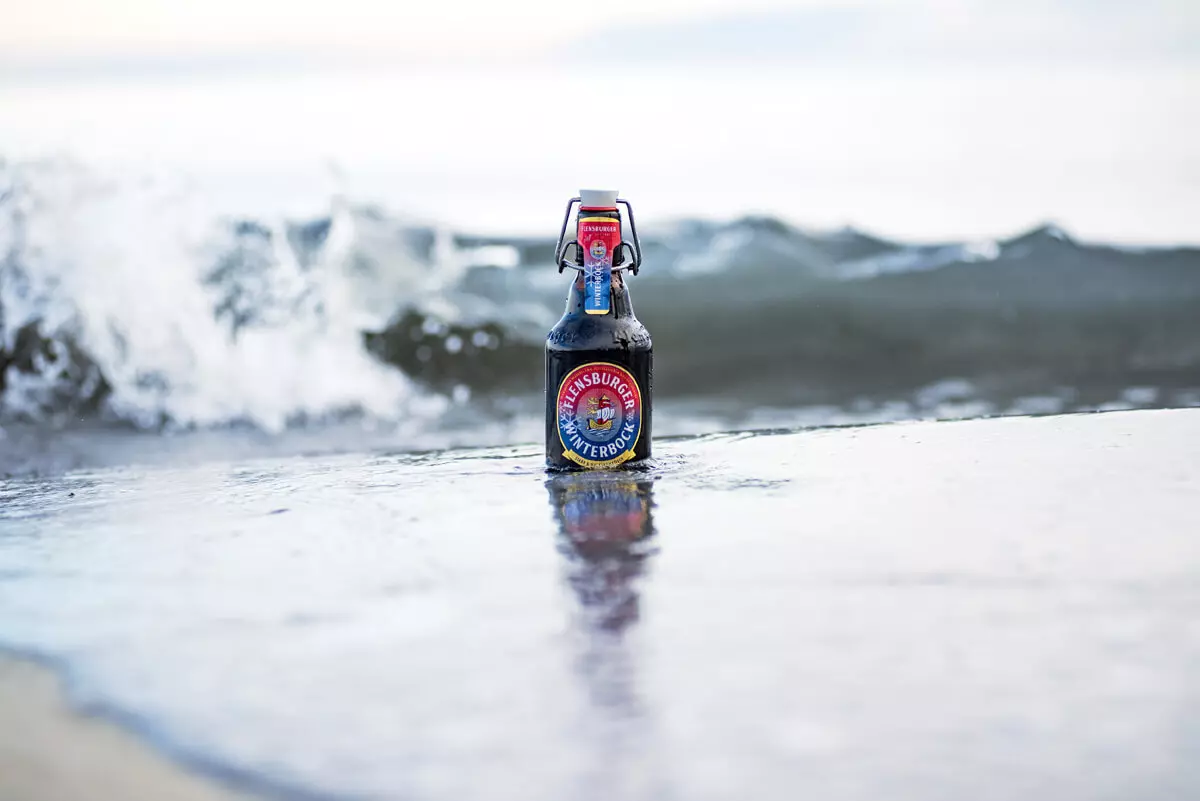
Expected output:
(599, 365)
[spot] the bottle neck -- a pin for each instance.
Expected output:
(618, 254)
(620, 307)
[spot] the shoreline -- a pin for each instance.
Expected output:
(51, 752)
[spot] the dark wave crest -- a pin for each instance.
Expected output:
(117, 306)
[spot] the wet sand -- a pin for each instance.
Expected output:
(993, 609)
(48, 752)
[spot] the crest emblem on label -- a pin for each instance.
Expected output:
(599, 415)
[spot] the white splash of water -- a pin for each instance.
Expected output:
(119, 266)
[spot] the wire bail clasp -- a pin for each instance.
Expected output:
(634, 247)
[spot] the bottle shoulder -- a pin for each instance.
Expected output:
(597, 332)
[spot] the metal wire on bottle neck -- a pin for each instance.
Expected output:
(635, 247)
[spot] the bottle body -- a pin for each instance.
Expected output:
(599, 384)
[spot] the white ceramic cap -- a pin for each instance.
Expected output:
(598, 198)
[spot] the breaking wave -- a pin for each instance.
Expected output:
(135, 301)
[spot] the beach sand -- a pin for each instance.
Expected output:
(48, 752)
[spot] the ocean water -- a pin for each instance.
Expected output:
(323, 260)
(132, 309)
(996, 609)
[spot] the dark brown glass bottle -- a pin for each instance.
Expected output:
(599, 379)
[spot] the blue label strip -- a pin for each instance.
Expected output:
(597, 285)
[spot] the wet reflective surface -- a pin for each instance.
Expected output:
(989, 610)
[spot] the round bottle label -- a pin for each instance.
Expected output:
(599, 415)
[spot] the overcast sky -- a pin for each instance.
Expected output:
(426, 28)
(462, 31)
(1081, 111)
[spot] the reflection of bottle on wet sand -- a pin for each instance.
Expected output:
(606, 537)
(606, 527)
